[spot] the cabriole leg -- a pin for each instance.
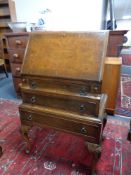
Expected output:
(95, 150)
(25, 132)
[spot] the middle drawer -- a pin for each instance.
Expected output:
(16, 56)
(73, 104)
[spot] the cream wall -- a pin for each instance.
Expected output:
(63, 15)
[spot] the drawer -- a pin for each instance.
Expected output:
(91, 130)
(1, 53)
(73, 104)
(17, 41)
(16, 69)
(16, 56)
(17, 84)
(67, 86)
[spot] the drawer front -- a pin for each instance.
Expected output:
(16, 56)
(15, 69)
(67, 86)
(17, 41)
(79, 106)
(1, 52)
(91, 131)
(17, 84)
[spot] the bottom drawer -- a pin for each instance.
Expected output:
(82, 105)
(92, 130)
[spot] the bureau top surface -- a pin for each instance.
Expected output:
(75, 55)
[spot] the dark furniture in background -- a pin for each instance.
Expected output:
(111, 78)
(7, 14)
(115, 43)
(111, 82)
(2, 60)
(16, 45)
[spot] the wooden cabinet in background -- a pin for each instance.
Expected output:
(16, 45)
(111, 81)
(7, 14)
(4, 52)
(115, 42)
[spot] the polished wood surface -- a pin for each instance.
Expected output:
(111, 81)
(82, 104)
(61, 52)
(62, 120)
(115, 43)
(66, 85)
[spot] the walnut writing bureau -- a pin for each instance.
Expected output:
(62, 74)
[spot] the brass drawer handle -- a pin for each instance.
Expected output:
(29, 117)
(18, 42)
(17, 69)
(83, 130)
(33, 99)
(15, 55)
(33, 84)
(82, 108)
(95, 88)
(83, 91)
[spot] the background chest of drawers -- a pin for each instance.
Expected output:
(16, 45)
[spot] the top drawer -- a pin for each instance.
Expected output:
(65, 86)
(17, 41)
